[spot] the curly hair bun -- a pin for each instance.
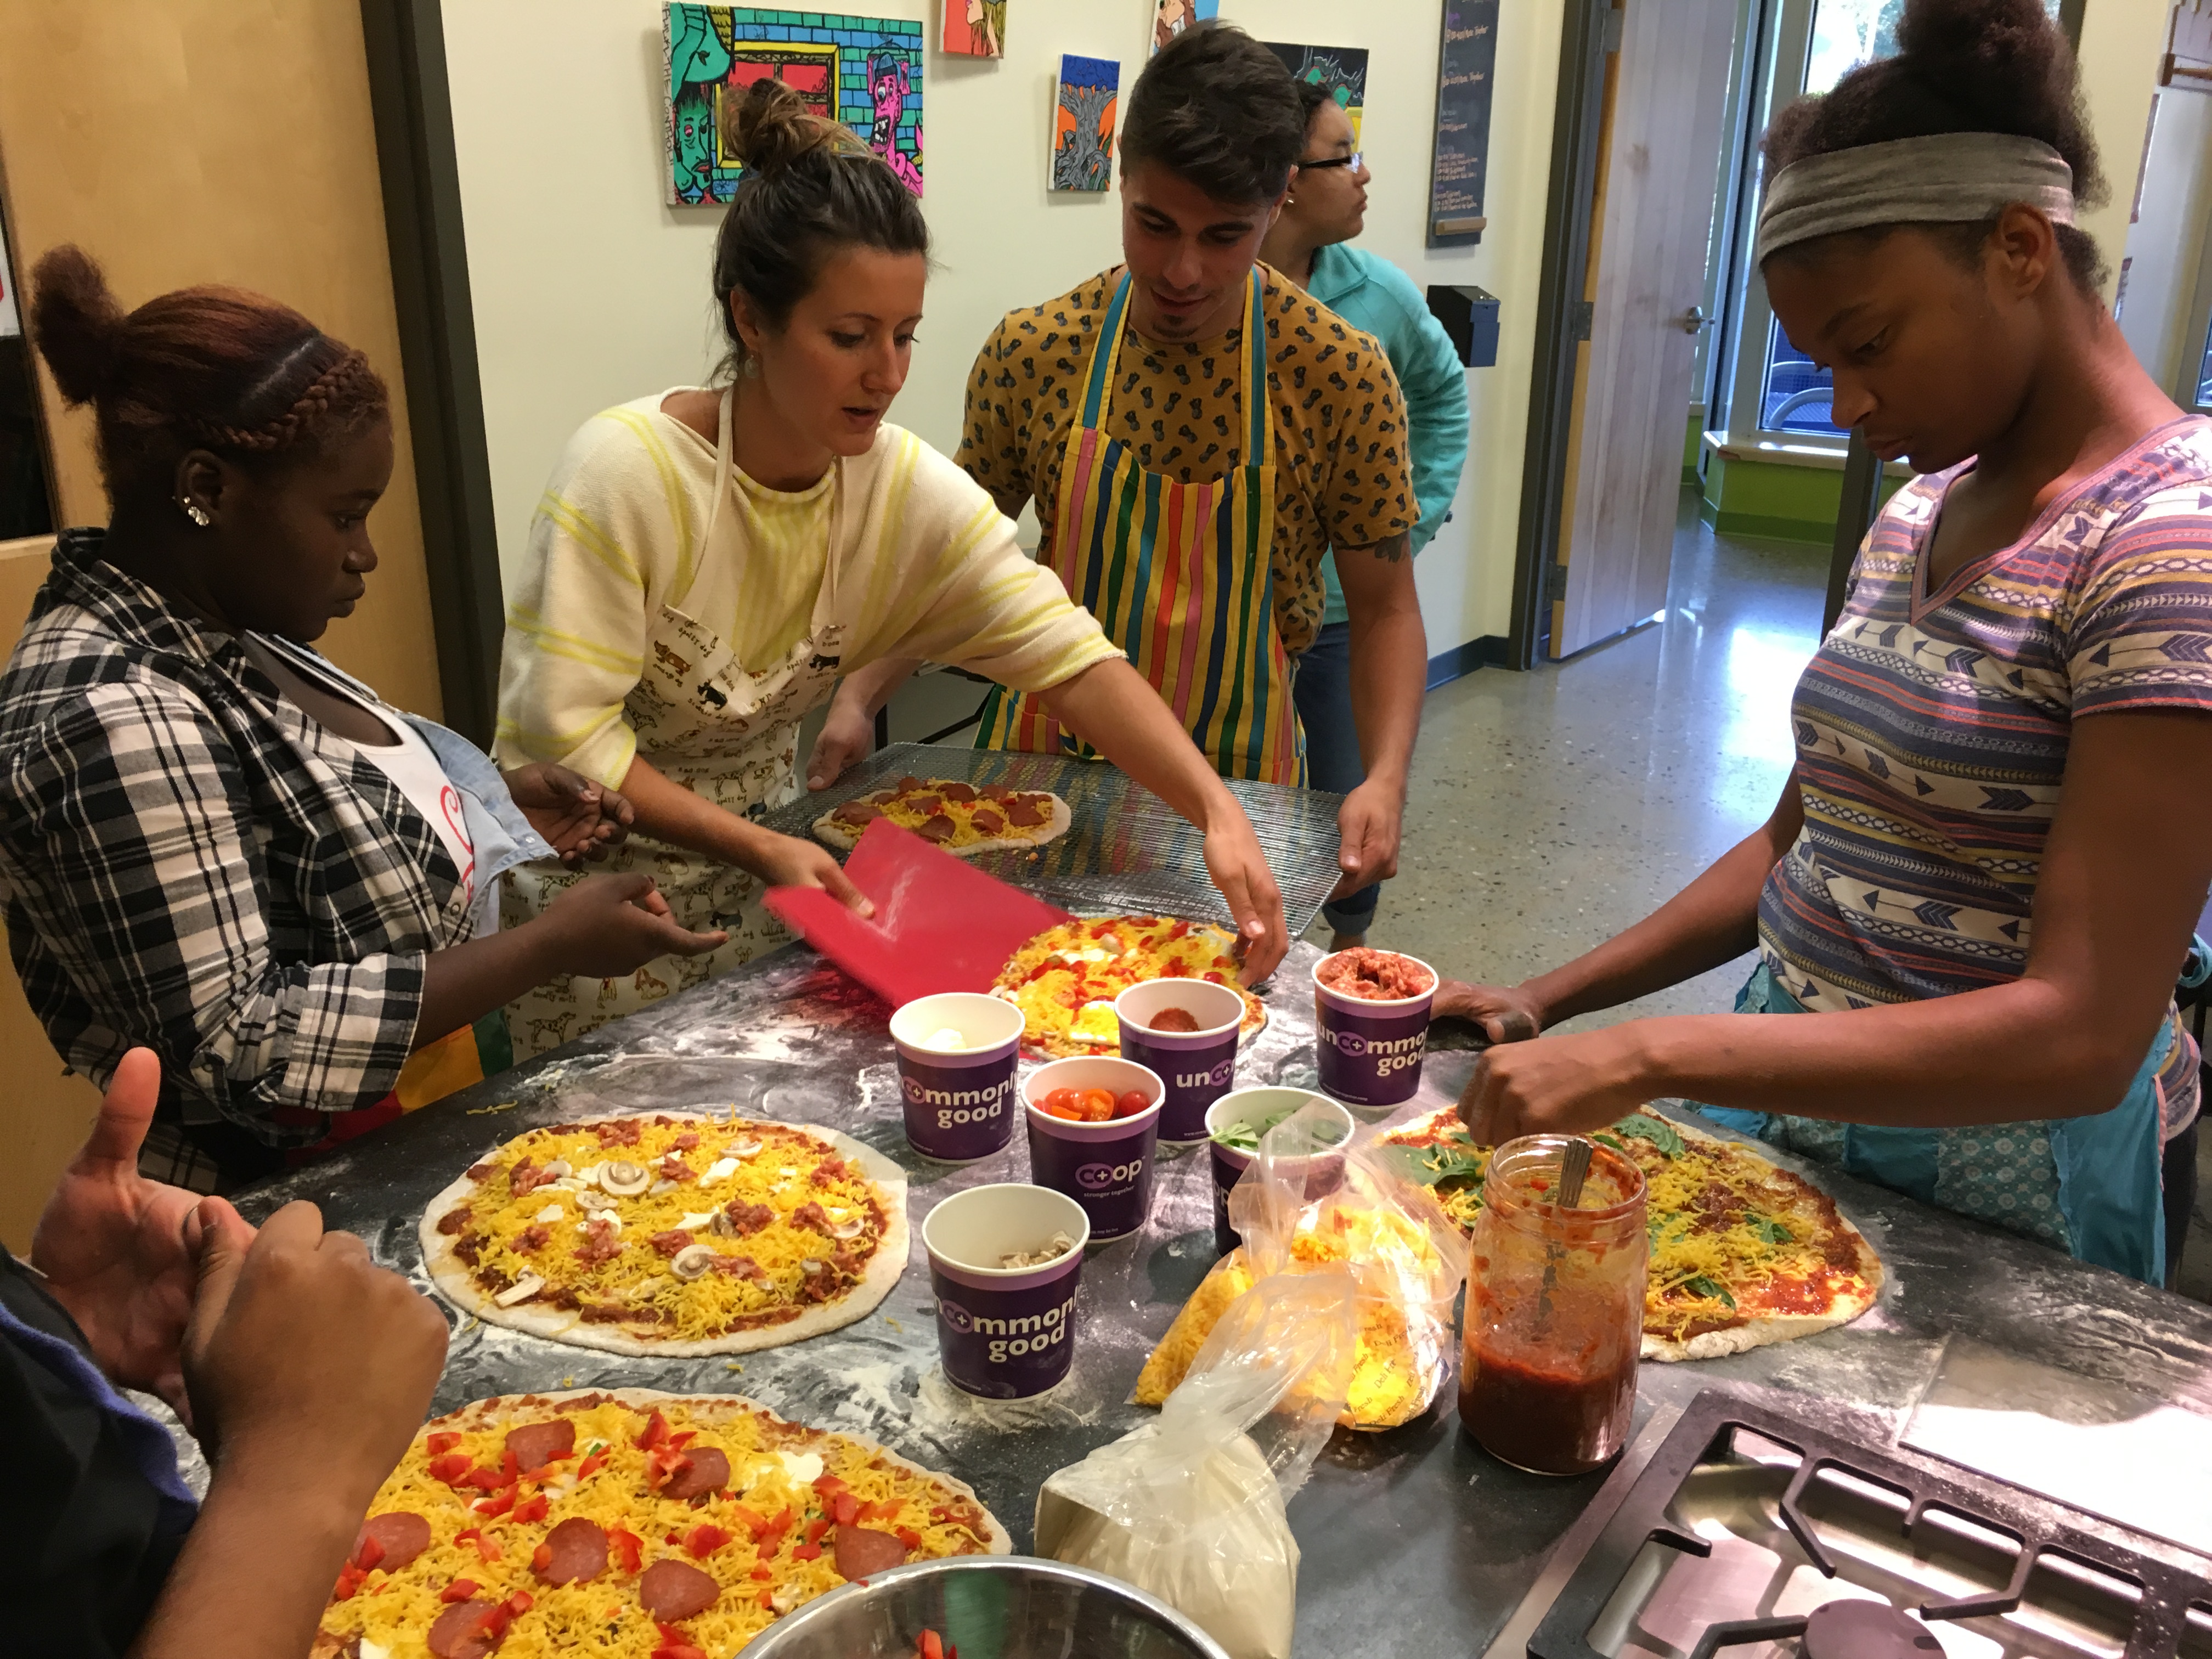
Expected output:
(77, 323)
(769, 127)
(2002, 63)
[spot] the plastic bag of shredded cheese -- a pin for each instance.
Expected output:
(1190, 1508)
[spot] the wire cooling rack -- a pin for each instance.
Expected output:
(1127, 849)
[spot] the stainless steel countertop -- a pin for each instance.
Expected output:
(1415, 1541)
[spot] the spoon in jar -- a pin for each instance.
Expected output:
(1574, 1169)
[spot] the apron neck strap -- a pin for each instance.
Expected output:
(725, 465)
(1098, 390)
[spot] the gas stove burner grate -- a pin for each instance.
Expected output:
(2149, 1597)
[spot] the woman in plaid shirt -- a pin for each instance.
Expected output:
(213, 843)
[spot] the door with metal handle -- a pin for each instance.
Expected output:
(1695, 318)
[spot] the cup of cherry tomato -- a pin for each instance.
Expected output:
(1092, 1125)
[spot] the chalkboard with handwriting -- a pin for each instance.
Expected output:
(1461, 157)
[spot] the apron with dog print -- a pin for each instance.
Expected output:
(725, 731)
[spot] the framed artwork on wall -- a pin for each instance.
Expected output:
(1171, 17)
(1083, 123)
(1342, 70)
(863, 71)
(974, 28)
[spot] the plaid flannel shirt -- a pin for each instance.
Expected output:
(188, 861)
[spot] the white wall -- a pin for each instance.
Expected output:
(2121, 43)
(2165, 246)
(588, 291)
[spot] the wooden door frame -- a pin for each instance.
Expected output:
(412, 104)
(1588, 34)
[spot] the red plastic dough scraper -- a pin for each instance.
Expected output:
(940, 923)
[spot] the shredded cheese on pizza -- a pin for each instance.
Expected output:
(765, 1538)
(952, 813)
(1065, 979)
(774, 1221)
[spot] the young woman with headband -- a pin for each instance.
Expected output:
(214, 843)
(1981, 879)
(705, 563)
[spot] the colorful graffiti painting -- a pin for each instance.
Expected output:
(1171, 17)
(1342, 70)
(1083, 125)
(975, 29)
(863, 71)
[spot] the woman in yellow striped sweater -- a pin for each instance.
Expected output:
(706, 562)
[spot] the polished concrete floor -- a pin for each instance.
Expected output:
(1551, 809)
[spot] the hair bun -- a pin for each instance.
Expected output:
(769, 126)
(1989, 57)
(76, 322)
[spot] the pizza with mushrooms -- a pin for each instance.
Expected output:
(630, 1524)
(1743, 1252)
(673, 1233)
(961, 818)
(1065, 979)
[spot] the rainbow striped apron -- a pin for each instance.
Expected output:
(1179, 577)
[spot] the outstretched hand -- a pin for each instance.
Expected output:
(121, 1253)
(581, 819)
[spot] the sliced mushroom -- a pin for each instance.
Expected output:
(780, 1599)
(852, 1228)
(559, 1167)
(521, 1291)
(646, 1290)
(722, 1225)
(624, 1178)
(550, 1212)
(660, 1187)
(720, 1170)
(809, 1266)
(744, 1146)
(692, 1224)
(692, 1262)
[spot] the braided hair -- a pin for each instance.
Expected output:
(811, 187)
(212, 368)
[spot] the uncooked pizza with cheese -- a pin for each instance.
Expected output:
(632, 1525)
(673, 1233)
(1743, 1252)
(1065, 979)
(961, 818)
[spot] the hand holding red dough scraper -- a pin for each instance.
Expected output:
(940, 923)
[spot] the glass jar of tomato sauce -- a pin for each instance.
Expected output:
(1555, 1309)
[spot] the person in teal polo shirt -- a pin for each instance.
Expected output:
(1310, 244)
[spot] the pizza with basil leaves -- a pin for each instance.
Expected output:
(1743, 1252)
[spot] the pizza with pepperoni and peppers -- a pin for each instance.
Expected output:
(961, 818)
(671, 1233)
(1742, 1251)
(630, 1524)
(1065, 979)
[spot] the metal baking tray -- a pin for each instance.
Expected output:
(1127, 849)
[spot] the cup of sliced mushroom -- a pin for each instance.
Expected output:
(1004, 1261)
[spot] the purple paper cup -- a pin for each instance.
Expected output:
(1324, 1175)
(959, 1103)
(1004, 1332)
(1197, 1067)
(1369, 1053)
(1107, 1168)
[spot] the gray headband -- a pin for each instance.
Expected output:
(1946, 177)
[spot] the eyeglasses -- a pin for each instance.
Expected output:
(1351, 160)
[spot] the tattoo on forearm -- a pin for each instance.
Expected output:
(1395, 549)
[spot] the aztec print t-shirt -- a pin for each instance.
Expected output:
(1932, 729)
(1342, 476)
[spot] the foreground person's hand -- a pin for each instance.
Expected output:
(787, 861)
(1239, 869)
(1505, 1012)
(848, 734)
(304, 1356)
(1566, 1084)
(1368, 825)
(123, 1253)
(581, 819)
(605, 927)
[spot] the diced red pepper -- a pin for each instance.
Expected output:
(628, 1547)
(531, 1508)
(541, 1558)
(933, 1645)
(816, 1528)
(845, 1508)
(751, 1519)
(678, 1442)
(656, 1431)
(764, 1574)
(495, 1619)
(349, 1580)
(767, 1603)
(510, 1469)
(592, 1465)
(369, 1554)
(807, 1552)
(462, 1588)
(441, 1442)
(499, 1503)
(450, 1468)
(671, 1539)
(663, 1465)
(829, 1486)
(483, 1479)
(1181, 930)
(488, 1549)
(704, 1540)
(1174, 970)
(909, 1536)
(781, 1524)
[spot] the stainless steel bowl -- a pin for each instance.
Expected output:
(990, 1606)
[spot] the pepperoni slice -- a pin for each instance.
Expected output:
(857, 813)
(708, 1471)
(536, 1445)
(459, 1633)
(400, 1535)
(925, 803)
(1023, 814)
(905, 784)
(987, 821)
(579, 1550)
(995, 791)
(672, 1591)
(863, 1550)
(959, 792)
(939, 829)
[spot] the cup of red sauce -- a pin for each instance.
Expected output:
(1371, 1024)
(1193, 1051)
(1554, 1321)
(1102, 1158)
